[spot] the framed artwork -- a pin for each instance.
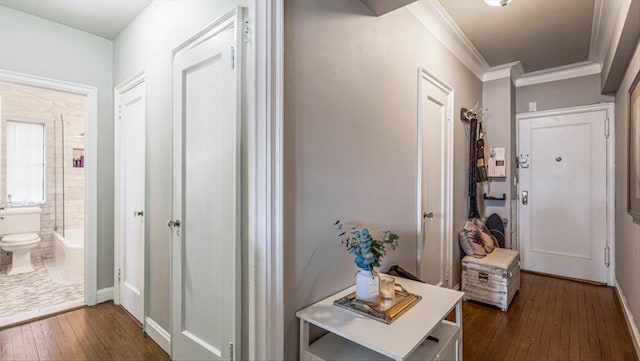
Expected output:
(634, 148)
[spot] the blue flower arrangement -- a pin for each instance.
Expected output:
(367, 250)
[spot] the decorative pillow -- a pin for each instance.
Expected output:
(485, 237)
(472, 242)
(480, 224)
(467, 248)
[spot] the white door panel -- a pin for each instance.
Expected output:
(132, 112)
(563, 225)
(206, 194)
(434, 242)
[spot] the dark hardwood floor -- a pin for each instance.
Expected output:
(549, 319)
(102, 332)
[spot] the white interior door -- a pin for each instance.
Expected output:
(132, 120)
(206, 194)
(434, 177)
(563, 194)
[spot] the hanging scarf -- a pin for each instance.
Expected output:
(481, 164)
(473, 168)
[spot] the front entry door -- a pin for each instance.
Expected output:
(563, 194)
(433, 178)
(206, 194)
(132, 117)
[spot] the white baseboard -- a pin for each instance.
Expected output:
(631, 324)
(158, 334)
(104, 295)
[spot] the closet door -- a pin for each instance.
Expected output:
(206, 194)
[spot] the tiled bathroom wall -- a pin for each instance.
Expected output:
(35, 105)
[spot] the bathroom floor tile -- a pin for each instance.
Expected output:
(35, 290)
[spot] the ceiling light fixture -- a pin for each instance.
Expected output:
(497, 2)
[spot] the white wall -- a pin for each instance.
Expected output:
(350, 148)
(147, 45)
(627, 229)
(32, 45)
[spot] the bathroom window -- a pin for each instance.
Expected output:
(25, 163)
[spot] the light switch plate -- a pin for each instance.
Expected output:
(533, 106)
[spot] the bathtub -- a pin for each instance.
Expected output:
(69, 254)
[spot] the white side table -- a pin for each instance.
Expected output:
(355, 337)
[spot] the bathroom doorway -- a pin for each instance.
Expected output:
(44, 196)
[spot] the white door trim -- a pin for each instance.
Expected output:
(91, 166)
(611, 181)
(266, 294)
(118, 206)
(425, 75)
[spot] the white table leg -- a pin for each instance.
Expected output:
(459, 323)
(304, 338)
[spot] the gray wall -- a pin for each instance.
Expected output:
(32, 45)
(350, 139)
(565, 93)
(627, 230)
(147, 44)
(499, 128)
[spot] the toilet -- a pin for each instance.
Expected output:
(19, 228)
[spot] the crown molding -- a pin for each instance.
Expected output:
(511, 70)
(436, 19)
(597, 26)
(574, 70)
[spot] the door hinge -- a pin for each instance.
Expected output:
(247, 31)
(118, 274)
(446, 276)
(606, 128)
(230, 350)
(233, 58)
(607, 257)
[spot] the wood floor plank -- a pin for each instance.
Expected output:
(82, 326)
(82, 352)
(40, 342)
(122, 337)
(550, 319)
(17, 344)
(30, 350)
(544, 336)
(49, 340)
(527, 329)
(6, 350)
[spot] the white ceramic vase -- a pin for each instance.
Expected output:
(367, 287)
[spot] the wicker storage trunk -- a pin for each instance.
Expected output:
(494, 279)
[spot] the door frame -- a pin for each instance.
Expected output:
(265, 208)
(118, 194)
(426, 76)
(91, 167)
(609, 108)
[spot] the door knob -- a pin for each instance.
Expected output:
(173, 223)
(525, 197)
(426, 215)
(138, 213)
